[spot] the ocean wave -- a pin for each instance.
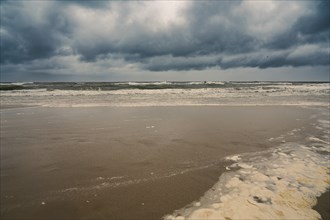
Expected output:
(165, 94)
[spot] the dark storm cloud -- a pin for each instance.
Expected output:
(277, 51)
(311, 28)
(28, 40)
(225, 34)
(27, 35)
(165, 63)
(300, 57)
(277, 60)
(216, 30)
(204, 33)
(96, 4)
(317, 22)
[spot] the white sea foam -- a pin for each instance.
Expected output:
(318, 140)
(16, 83)
(324, 123)
(148, 83)
(122, 181)
(261, 94)
(281, 184)
(234, 158)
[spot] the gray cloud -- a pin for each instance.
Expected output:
(317, 22)
(30, 32)
(204, 33)
(310, 55)
(200, 35)
(308, 29)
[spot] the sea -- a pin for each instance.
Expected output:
(78, 94)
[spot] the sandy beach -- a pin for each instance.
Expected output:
(128, 162)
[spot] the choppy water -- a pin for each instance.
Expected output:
(165, 93)
(138, 85)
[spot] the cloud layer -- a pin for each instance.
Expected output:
(101, 37)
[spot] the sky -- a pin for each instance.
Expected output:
(164, 40)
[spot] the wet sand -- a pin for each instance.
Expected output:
(125, 163)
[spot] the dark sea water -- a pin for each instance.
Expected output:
(79, 94)
(139, 85)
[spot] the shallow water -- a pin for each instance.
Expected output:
(143, 162)
(280, 183)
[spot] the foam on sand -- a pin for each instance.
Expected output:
(278, 184)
